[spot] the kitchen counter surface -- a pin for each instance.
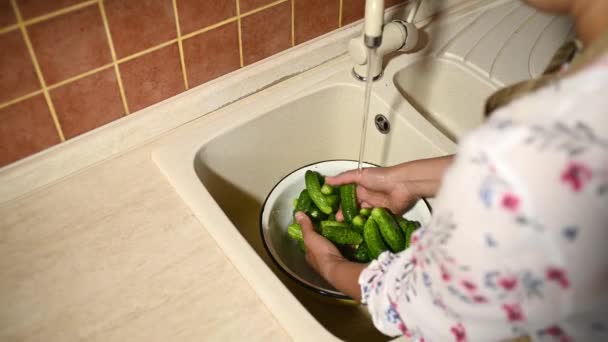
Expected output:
(113, 253)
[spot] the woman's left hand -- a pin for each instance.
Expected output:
(321, 254)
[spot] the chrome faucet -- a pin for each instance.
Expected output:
(381, 39)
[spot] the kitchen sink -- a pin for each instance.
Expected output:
(239, 169)
(225, 163)
(226, 167)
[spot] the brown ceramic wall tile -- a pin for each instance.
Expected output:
(7, 16)
(196, 14)
(140, 25)
(70, 44)
(152, 78)
(249, 5)
(35, 8)
(88, 103)
(325, 14)
(353, 10)
(266, 33)
(25, 128)
(212, 54)
(17, 74)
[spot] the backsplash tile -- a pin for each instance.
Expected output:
(212, 54)
(266, 33)
(153, 77)
(88, 103)
(7, 16)
(26, 127)
(250, 5)
(72, 42)
(326, 18)
(34, 8)
(137, 25)
(18, 76)
(196, 14)
(352, 10)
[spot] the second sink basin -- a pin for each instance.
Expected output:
(446, 93)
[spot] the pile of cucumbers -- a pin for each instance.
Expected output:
(363, 235)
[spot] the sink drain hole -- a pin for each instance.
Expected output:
(382, 124)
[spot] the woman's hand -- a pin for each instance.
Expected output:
(395, 187)
(321, 254)
(325, 258)
(378, 187)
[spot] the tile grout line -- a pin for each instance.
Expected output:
(239, 32)
(79, 77)
(121, 88)
(265, 7)
(59, 12)
(19, 99)
(117, 61)
(293, 23)
(180, 45)
(209, 28)
(340, 10)
(32, 54)
(9, 28)
(145, 52)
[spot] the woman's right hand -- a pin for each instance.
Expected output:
(395, 187)
(377, 187)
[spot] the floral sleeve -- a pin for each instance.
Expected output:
(516, 245)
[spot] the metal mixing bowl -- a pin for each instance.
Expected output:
(277, 215)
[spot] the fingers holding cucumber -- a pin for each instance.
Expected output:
(332, 218)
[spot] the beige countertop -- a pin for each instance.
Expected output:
(113, 253)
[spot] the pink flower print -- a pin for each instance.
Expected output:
(558, 275)
(444, 274)
(459, 333)
(507, 283)
(469, 286)
(510, 202)
(479, 299)
(557, 334)
(576, 175)
(513, 311)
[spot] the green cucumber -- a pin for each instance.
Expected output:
(333, 223)
(365, 212)
(362, 253)
(327, 189)
(340, 233)
(348, 196)
(373, 239)
(408, 227)
(389, 229)
(333, 201)
(311, 179)
(304, 202)
(295, 232)
(316, 214)
(359, 223)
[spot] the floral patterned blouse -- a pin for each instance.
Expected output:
(518, 242)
